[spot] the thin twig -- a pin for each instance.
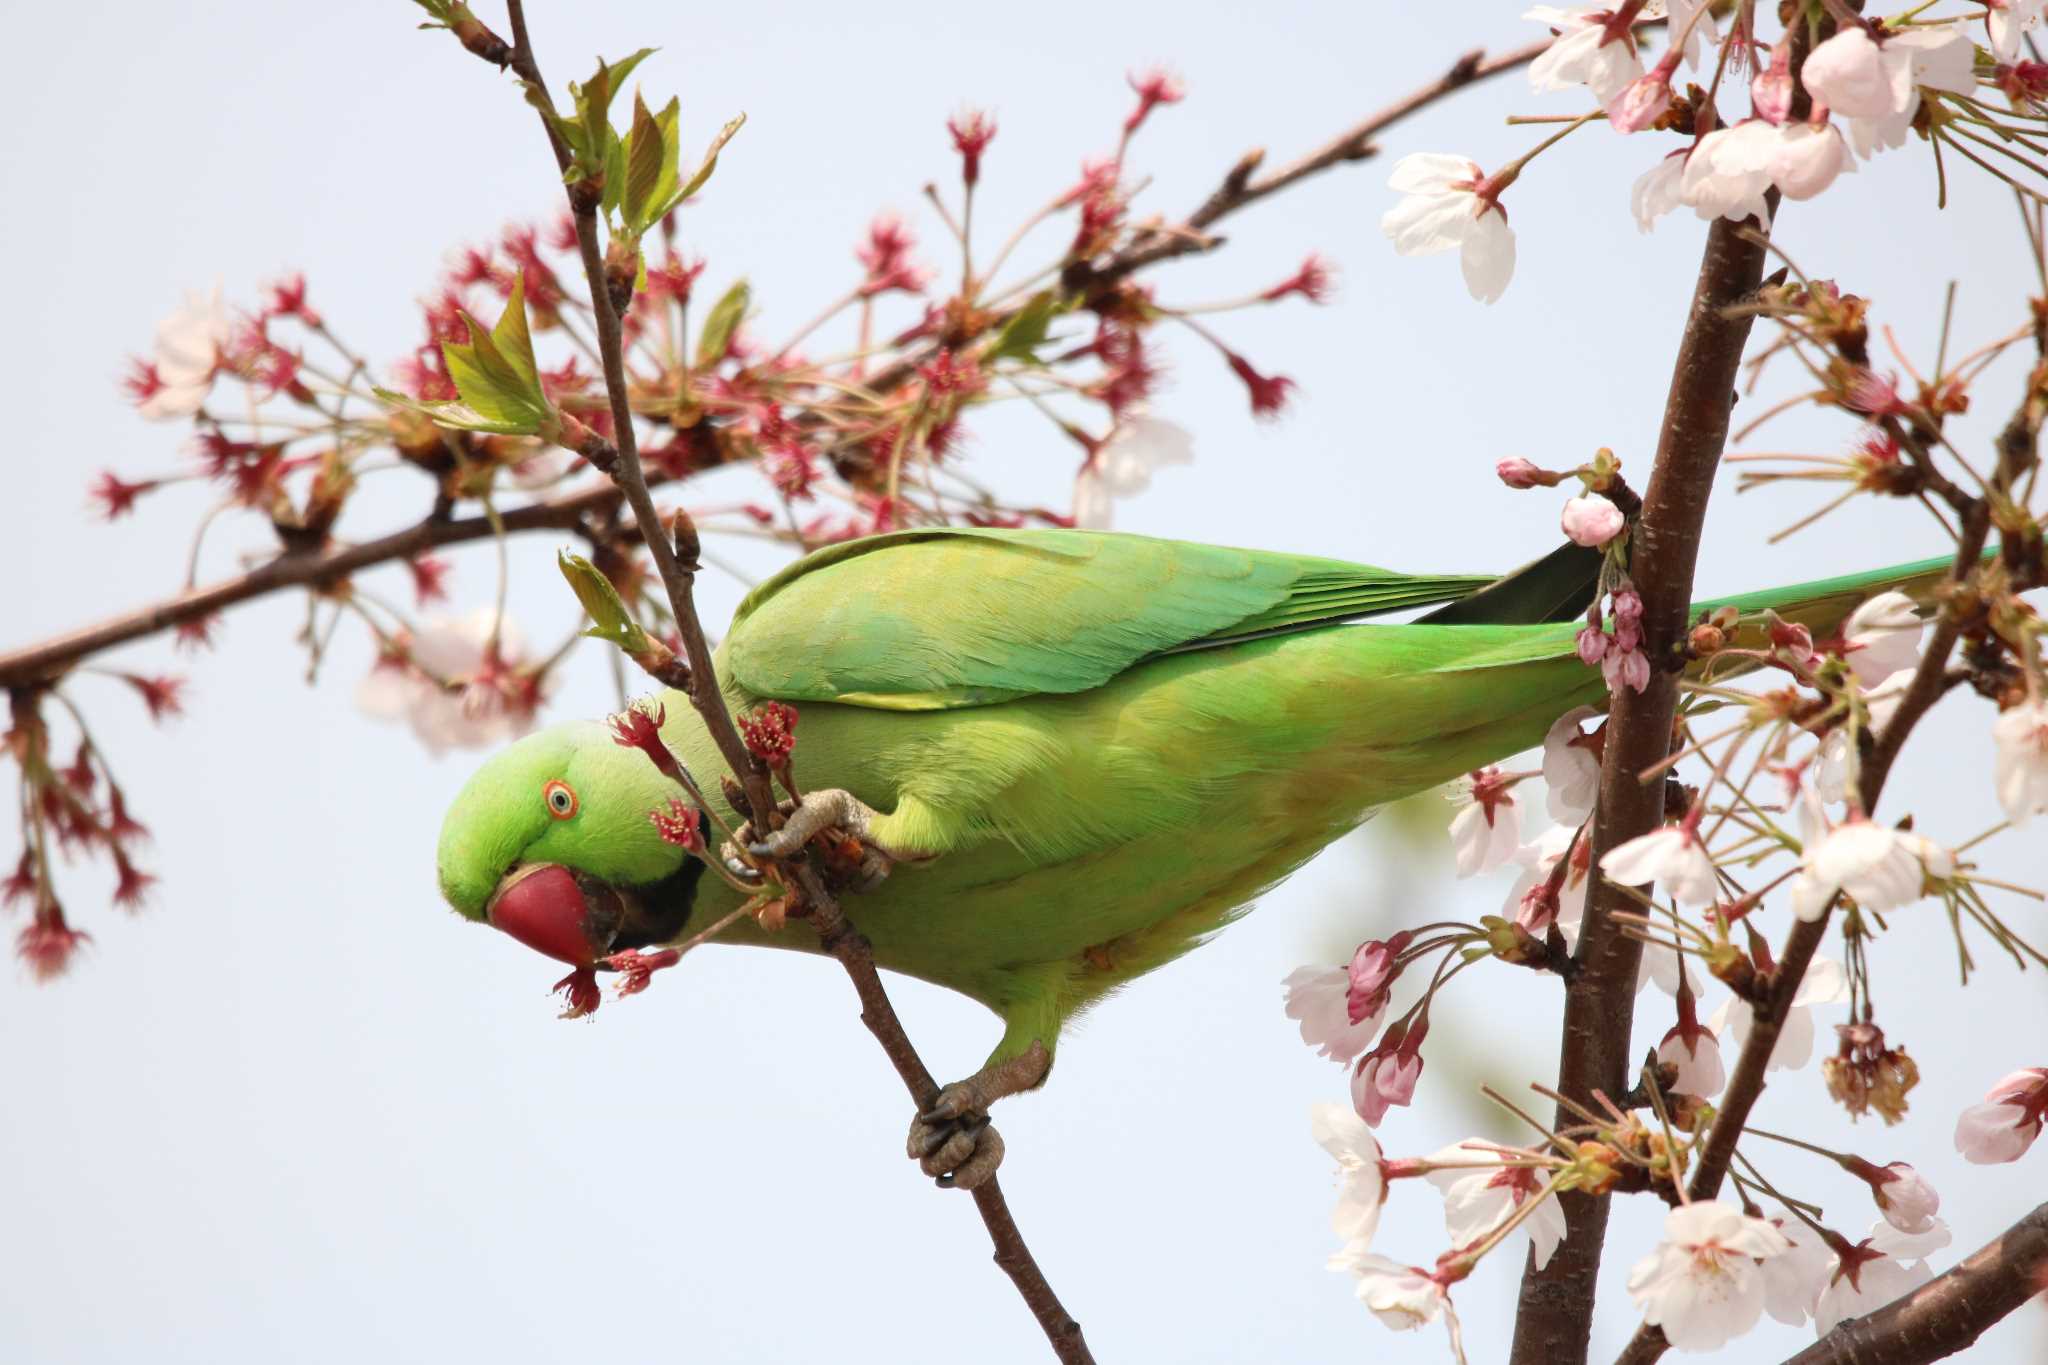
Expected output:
(835, 934)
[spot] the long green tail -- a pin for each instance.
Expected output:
(1825, 603)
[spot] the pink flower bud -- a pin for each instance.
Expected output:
(1517, 472)
(1770, 94)
(1592, 644)
(1591, 521)
(1905, 1198)
(1641, 102)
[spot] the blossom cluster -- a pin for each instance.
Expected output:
(1812, 116)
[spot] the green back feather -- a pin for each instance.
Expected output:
(937, 619)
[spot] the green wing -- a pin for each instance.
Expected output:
(941, 618)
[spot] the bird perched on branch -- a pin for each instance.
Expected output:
(1082, 754)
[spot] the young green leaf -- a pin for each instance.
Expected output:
(589, 132)
(650, 163)
(611, 622)
(710, 164)
(720, 323)
(496, 377)
(1025, 332)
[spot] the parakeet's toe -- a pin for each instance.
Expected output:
(975, 1171)
(962, 1151)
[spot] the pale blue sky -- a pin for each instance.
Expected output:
(299, 1111)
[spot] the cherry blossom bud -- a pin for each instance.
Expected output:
(1591, 520)
(1643, 100)
(2005, 1125)
(972, 131)
(1369, 979)
(1517, 472)
(1770, 94)
(1591, 642)
(1903, 1195)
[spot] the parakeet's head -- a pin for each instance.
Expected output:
(550, 841)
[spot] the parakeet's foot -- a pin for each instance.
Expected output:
(818, 811)
(952, 1141)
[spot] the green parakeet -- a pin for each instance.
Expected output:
(1083, 753)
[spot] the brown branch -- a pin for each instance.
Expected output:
(678, 573)
(1554, 1320)
(1949, 1312)
(47, 659)
(1240, 189)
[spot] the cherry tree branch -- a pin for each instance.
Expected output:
(835, 933)
(1242, 187)
(1949, 1312)
(45, 660)
(1555, 1317)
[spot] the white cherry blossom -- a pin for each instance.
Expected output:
(1571, 767)
(1583, 53)
(471, 711)
(1880, 868)
(1825, 983)
(1883, 638)
(1658, 190)
(1671, 856)
(1361, 1171)
(2021, 766)
(1487, 829)
(1729, 171)
(2007, 22)
(1401, 1296)
(1899, 1269)
(1482, 1196)
(1443, 209)
(187, 351)
(1123, 465)
(1703, 1284)
(1877, 86)
(1906, 1198)
(1793, 1281)
(1699, 1063)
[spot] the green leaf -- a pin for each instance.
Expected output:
(1026, 330)
(594, 139)
(721, 322)
(496, 377)
(650, 159)
(612, 623)
(704, 170)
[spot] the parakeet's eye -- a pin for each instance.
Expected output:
(561, 799)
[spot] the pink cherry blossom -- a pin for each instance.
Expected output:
(1729, 171)
(2005, 1125)
(1386, 1076)
(1374, 968)
(1316, 1000)
(1703, 1284)
(1877, 86)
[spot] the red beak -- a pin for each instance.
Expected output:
(542, 907)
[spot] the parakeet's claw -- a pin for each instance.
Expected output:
(952, 1140)
(817, 811)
